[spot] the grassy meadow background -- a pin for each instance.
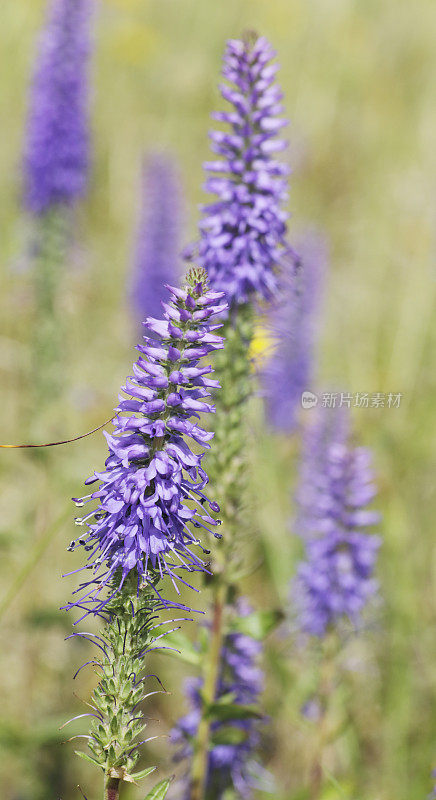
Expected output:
(360, 91)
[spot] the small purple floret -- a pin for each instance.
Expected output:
(57, 141)
(336, 578)
(242, 234)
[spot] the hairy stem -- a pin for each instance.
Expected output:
(227, 460)
(111, 789)
(227, 471)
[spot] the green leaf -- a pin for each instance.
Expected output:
(181, 643)
(159, 791)
(203, 640)
(229, 734)
(86, 757)
(259, 624)
(137, 776)
(224, 700)
(232, 711)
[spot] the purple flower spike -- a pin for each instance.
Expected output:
(158, 243)
(56, 150)
(152, 488)
(293, 324)
(242, 234)
(231, 765)
(335, 581)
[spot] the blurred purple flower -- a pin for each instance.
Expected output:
(56, 148)
(230, 765)
(152, 487)
(242, 234)
(293, 325)
(158, 239)
(335, 580)
(330, 425)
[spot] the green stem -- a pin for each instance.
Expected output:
(211, 677)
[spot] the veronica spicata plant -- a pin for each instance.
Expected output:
(242, 237)
(234, 739)
(56, 163)
(158, 238)
(335, 580)
(241, 244)
(150, 508)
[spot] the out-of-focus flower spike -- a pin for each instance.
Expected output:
(293, 325)
(158, 238)
(56, 153)
(335, 580)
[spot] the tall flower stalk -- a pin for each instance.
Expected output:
(56, 158)
(150, 500)
(335, 580)
(241, 244)
(158, 238)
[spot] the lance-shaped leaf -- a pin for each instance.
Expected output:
(86, 757)
(229, 734)
(159, 791)
(137, 776)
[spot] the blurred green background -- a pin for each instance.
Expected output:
(360, 86)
